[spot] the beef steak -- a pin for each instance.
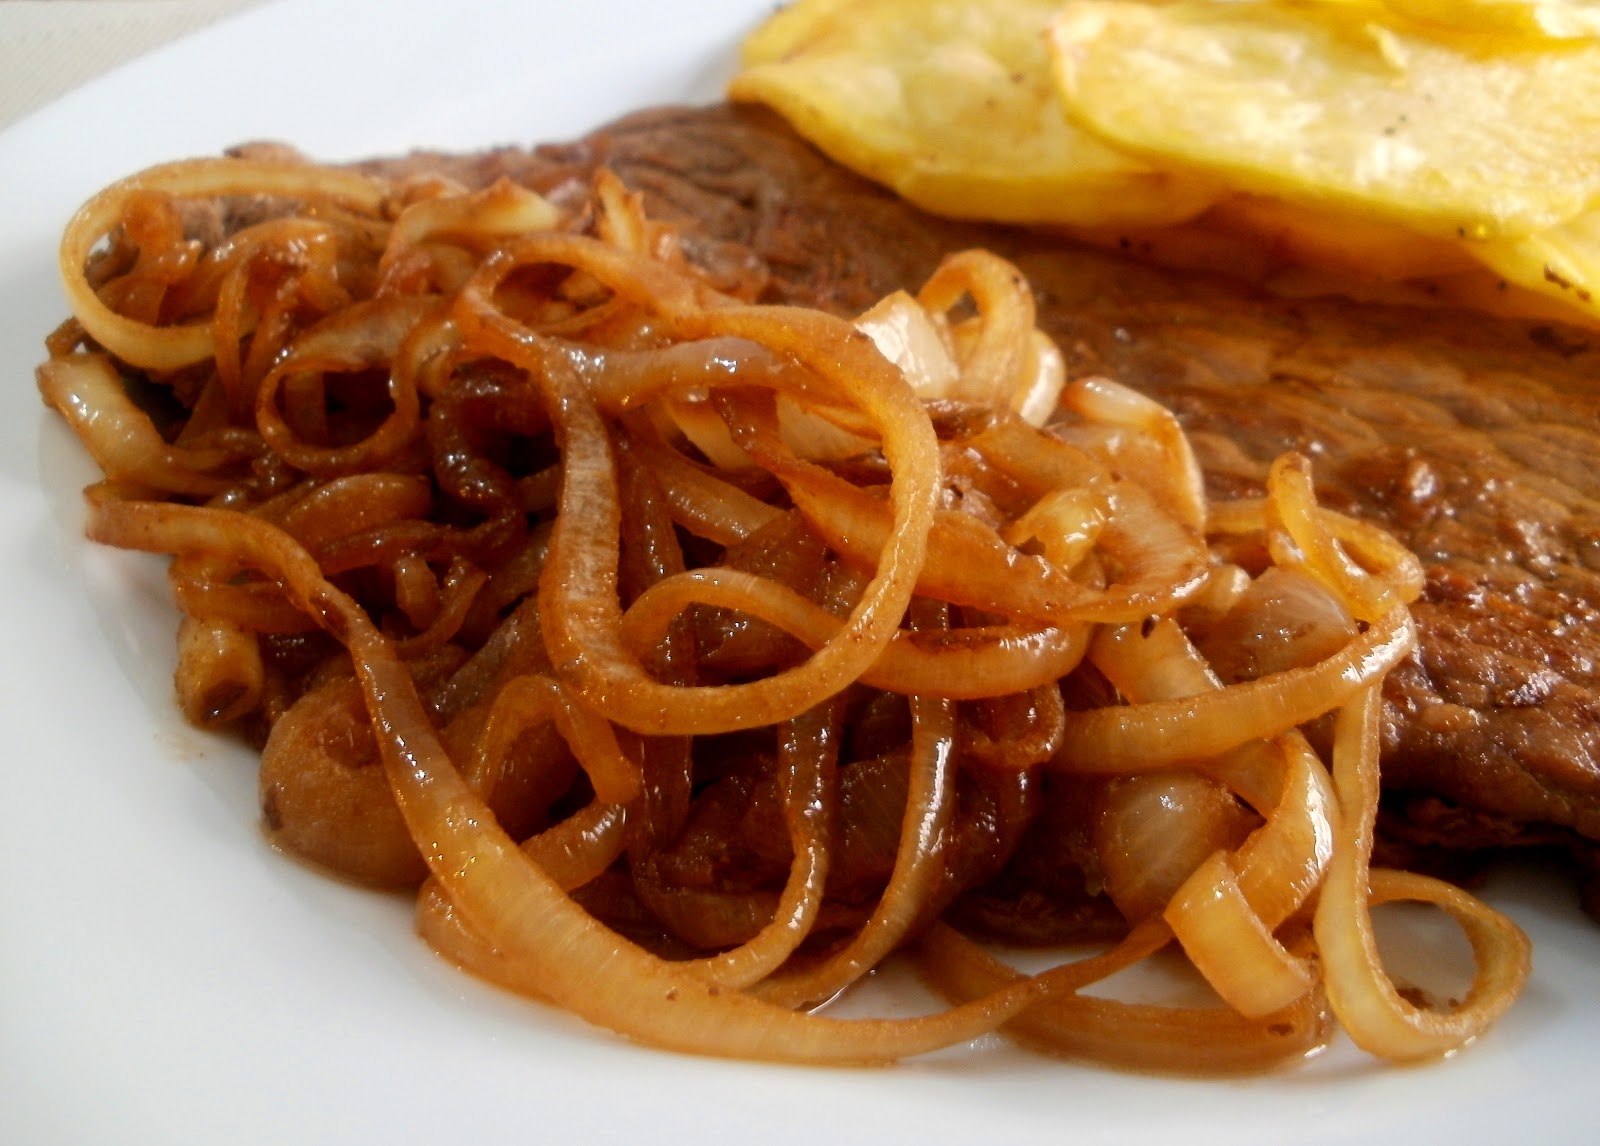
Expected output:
(1475, 440)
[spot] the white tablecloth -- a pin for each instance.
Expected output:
(49, 47)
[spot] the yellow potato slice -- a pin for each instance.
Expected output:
(952, 104)
(1256, 239)
(790, 28)
(1561, 262)
(1332, 105)
(1548, 19)
(1362, 247)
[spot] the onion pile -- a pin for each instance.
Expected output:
(690, 657)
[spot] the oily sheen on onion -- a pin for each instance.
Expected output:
(690, 657)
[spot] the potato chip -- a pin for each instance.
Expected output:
(952, 104)
(1549, 19)
(1562, 262)
(1362, 247)
(1256, 239)
(1340, 107)
(789, 29)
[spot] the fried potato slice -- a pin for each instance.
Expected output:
(1250, 237)
(1358, 246)
(1562, 262)
(1547, 19)
(952, 104)
(1343, 106)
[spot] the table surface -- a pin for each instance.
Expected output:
(49, 47)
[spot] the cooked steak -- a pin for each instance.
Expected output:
(1475, 440)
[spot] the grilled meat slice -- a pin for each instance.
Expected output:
(1475, 440)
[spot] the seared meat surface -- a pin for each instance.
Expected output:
(1475, 440)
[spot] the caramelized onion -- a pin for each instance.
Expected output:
(1369, 1007)
(694, 656)
(1162, 734)
(167, 348)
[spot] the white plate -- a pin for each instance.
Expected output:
(166, 978)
